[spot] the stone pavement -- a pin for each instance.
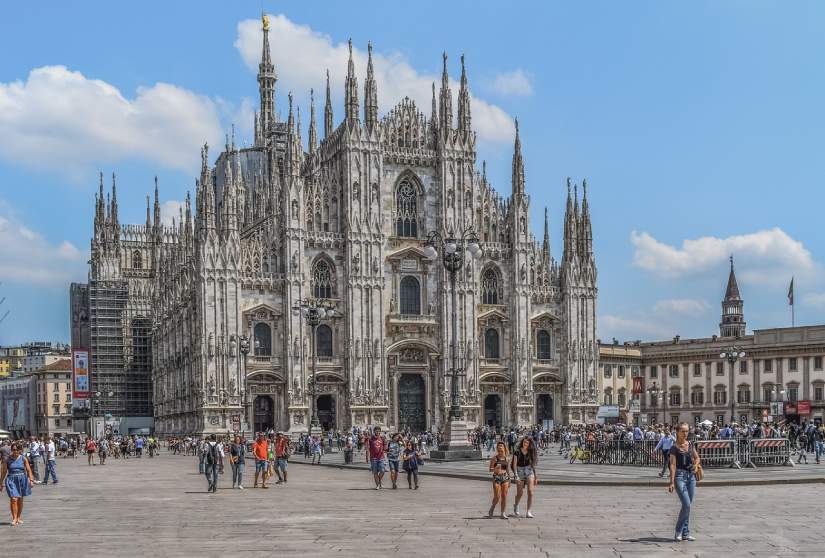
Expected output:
(555, 470)
(159, 507)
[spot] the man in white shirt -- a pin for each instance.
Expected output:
(34, 457)
(51, 456)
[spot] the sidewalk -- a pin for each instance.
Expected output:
(553, 469)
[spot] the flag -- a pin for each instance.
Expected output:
(790, 293)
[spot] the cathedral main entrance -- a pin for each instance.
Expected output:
(492, 410)
(544, 408)
(412, 405)
(326, 411)
(262, 411)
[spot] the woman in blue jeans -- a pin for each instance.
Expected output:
(683, 461)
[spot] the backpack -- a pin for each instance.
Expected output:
(211, 454)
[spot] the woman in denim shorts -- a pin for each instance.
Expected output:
(525, 460)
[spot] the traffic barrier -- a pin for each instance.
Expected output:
(769, 452)
(717, 453)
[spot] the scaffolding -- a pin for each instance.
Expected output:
(121, 351)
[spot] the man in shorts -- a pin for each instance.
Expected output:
(375, 456)
(281, 457)
(393, 457)
(260, 449)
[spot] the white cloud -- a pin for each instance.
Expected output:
(301, 55)
(766, 257)
(681, 306)
(628, 328)
(31, 259)
(169, 211)
(516, 83)
(817, 300)
(61, 119)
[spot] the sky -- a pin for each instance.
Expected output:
(697, 125)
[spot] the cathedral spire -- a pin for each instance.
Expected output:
(100, 215)
(351, 91)
(464, 119)
(518, 166)
(156, 220)
(148, 215)
(313, 132)
(570, 218)
(328, 111)
(370, 93)
(585, 230)
(266, 83)
(114, 218)
(545, 248)
(446, 100)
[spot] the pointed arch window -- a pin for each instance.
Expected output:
(491, 344)
(137, 260)
(322, 282)
(263, 339)
(543, 345)
(410, 296)
(490, 287)
(323, 340)
(406, 200)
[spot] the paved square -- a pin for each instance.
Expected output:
(159, 507)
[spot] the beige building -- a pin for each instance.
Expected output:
(11, 359)
(775, 374)
(53, 393)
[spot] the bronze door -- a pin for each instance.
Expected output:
(412, 403)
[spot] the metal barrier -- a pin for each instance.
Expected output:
(769, 451)
(718, 453)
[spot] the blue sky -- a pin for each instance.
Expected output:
(698, 126)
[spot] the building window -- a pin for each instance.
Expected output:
(608, 398)
(675, 398)
(674, 419)
(743, 366)
(743, 394)
(634, 371)
(621, 371)
(322, 279)
(68, 398)
(543, 345)
(323, 340)
(491, 348)
(55, 409)
(818, 363)
(654, 371)
(490, 287)
(720, 397)
(697, 397)
(792, 364)
(57, 423)
(622, 398)
(818, 390)
(410, 296)
(57, 398)
(608, 371)
(793, 393)
(768, 365)
(263, 339)
(137, 260)
(651, 418)
(406, 199)
(697, 369)
(767, 394)
(720, 368)
(674, 371)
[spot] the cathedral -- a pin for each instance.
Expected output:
(342, 219)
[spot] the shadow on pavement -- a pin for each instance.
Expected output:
(648, 540)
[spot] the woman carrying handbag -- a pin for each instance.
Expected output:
(685, 472)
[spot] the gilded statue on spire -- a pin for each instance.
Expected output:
(265, 21)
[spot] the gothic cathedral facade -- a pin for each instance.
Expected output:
(343, 219)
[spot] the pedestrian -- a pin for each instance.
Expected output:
(213, 460)
(524, 463)
(500, 468)
(260, 449)
(664, 445)
(684, 460)
(393, 455)
(91, 448)
(375, 456)
(103, 450)
(411, 459)
(33, 457)
(17, 478)
(803, 448)
(237, 456)
(316, 442)
(139, 446)
(282, 452)
(51, 457)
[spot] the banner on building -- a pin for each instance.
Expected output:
(16, 414)
(638, 385)
(803, 407)
(80, 374)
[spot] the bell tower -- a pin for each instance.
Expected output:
(733, 314)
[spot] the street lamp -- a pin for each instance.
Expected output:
(314, 311)
(453, 255)
(654, 393)
(732, 354)
(244, 348)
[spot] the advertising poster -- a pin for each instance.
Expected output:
(80, 373)
(15, 413)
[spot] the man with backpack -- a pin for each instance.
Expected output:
(213, 459)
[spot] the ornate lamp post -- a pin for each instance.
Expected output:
(654, 393)
(244, 348)
(314, 311)
(732, 354)
(453, 251)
